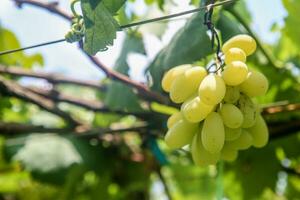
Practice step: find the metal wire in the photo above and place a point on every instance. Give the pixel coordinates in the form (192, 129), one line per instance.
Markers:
(210, 6)
(214, 36)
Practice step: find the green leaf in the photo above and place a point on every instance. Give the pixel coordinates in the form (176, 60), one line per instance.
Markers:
(101, 27)
(113, 5)
(120, 96)
(9, 41)
(291, 29)
(228, 26)
(191, 43)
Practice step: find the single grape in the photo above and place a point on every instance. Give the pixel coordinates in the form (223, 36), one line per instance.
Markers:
(231, 115)
(171, 75)
(242, 41)
(180, 134)
(235, 54)
(235, 73)
(243, 142)
(228, 153)
(259, 132)
(249, 110)
(213, 134)
(256, 84)
(212, 89)
(200, 156)
(187, 84)
(232, 134)
(195, 110)
(232, 94)
(173, 119)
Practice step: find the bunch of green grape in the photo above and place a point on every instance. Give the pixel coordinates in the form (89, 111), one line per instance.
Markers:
(217, 117)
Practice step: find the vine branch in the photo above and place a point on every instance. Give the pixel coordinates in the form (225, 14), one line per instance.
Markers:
(51, 78)
(95, 106)
(11, 88)
(11, 129)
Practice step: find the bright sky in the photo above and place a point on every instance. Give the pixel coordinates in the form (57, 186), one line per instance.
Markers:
(32, 26)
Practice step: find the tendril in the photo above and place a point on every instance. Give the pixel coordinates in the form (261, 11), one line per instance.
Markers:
(77, 27)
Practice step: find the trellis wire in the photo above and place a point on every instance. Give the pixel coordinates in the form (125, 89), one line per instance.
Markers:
(129, 25)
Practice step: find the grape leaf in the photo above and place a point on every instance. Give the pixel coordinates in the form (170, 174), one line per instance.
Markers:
(9, 41)
(120, 96)
(226, 26)
(290, 30)
(113, 5)
(101, 27)
(191, 43)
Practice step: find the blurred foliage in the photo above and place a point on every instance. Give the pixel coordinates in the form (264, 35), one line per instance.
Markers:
(125, 166)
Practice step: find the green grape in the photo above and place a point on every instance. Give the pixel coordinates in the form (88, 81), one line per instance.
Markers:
(235, 54)
(171, 75)
(256, 84)
(235, 73)
(180, 134)
(232, 134)
(200, 156)
(231, 115)
(173, 119)
(249, 111)
(228, 153)
(243, 142)
(187, 84)
(213, 134)
(259, 132)
(242, 41)
(195, 110)
(212, 89)
(232, 94)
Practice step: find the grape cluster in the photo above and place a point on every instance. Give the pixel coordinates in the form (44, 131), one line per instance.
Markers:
(217, 117)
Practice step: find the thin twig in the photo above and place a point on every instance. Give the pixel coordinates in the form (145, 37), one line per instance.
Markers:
(12, 129)
(11, 88)
(164, 182)
(98, 132)
(283, 128)
(51, 78)
(95, 106)
(281, 108)
(51, 7)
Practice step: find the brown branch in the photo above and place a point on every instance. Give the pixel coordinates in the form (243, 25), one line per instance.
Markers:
(98, 132)
(95, 106)
(281, 108)
(11, 88)
(52, 78)
(142, 89)
(51, 7)
(283, 129)
(12, 129)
